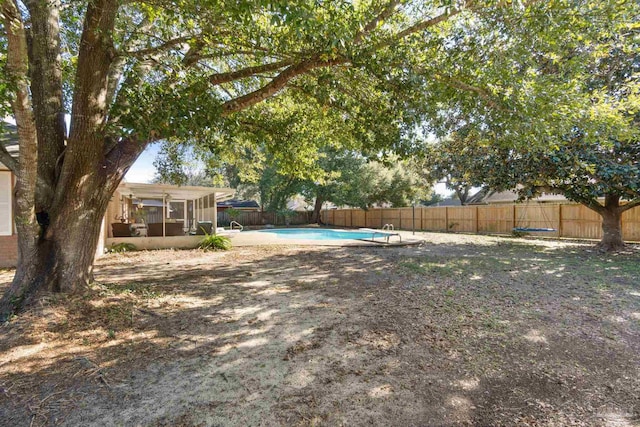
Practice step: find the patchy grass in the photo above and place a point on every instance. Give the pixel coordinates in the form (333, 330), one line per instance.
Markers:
(464, 330)
(142, 290)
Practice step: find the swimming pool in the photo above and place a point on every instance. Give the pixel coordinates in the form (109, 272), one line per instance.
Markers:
(326, 234)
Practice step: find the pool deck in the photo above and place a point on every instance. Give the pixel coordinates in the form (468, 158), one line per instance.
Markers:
(250, 238)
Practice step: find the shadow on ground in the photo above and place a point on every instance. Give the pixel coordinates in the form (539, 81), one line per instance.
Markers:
(460, 331)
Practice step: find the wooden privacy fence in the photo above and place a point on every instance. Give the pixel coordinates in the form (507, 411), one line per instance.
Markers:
(263, 218)
(569, 220)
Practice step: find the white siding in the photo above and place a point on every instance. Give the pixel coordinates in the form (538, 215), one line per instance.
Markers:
(5, 204)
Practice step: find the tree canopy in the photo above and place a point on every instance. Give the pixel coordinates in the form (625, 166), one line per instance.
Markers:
(131, 73)
(557, 112)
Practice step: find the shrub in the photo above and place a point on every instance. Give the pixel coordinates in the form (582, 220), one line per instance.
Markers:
(234, 213)
(117, 248)
(213, 242)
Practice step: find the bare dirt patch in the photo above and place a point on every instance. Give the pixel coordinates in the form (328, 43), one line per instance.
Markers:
(464, 330)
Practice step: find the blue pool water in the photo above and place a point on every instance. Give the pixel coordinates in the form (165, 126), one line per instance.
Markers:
(323, 234)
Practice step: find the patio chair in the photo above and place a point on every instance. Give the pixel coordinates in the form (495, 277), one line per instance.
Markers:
(203, 227)
(121, 229)
(171, 229)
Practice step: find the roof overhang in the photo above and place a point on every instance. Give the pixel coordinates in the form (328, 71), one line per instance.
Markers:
(158, 191)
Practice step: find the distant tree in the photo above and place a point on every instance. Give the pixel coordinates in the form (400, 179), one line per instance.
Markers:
(396, 184)
(351, 180)
(188, 176)
(233, 214)
(346, 180)
(433, 199)
(276, 188)
(603, 175)
(451, 161)
(177, 164)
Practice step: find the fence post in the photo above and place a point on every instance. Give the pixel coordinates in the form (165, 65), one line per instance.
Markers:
(413, 218)
(560, 220)
(476, 221)
(513, 216)
(446, 219)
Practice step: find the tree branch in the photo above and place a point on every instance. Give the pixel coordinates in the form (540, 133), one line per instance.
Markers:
(386, 12)
(17, 69)
(277, 84)
(217, 79)
(482, 93)
(420, 26)
(293, 70)
(167, 45)
(592, 204)
(630, 205)
(46, 83)
(123, 154)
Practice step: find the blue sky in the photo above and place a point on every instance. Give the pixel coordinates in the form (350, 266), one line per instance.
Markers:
(143, 170)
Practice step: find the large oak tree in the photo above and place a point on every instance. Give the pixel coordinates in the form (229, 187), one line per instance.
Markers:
(130, 73)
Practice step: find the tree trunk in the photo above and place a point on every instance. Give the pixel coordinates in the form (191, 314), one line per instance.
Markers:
(316, 218)
(61, 258)
(463, 194)
(611, 229)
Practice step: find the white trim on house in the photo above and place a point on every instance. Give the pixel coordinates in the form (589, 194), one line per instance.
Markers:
(177, 192)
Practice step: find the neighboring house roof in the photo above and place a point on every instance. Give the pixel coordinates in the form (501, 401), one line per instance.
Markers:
(478, 198)
(299, 203)
(239, 204)
(9, 138)
(485, 197)
(449, 201)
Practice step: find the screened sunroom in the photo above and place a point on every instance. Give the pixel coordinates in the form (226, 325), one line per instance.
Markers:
(154, 216)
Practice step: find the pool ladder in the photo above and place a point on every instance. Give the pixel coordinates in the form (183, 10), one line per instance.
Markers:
(232, 223)
(388, 227)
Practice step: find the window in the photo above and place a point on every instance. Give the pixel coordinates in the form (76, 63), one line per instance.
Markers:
(176, 210)
(6, 214)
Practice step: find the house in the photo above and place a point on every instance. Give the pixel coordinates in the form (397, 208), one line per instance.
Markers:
(150, 216)
(241, 205)
(449, 201)
(8, 237)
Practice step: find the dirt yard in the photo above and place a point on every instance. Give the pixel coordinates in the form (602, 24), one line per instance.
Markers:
(462, 330)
